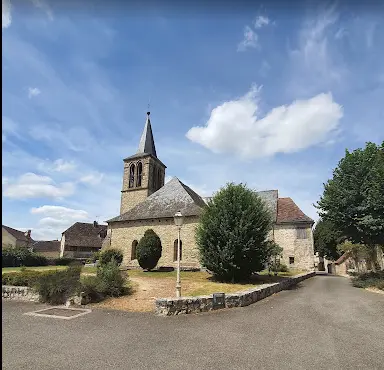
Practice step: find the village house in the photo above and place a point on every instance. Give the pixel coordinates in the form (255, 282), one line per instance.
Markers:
(82, 239)
(15, 238)
(146, 203)
(47, 248)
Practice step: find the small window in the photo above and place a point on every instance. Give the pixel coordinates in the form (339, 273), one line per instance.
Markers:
(301, 233)
(291, 260)
(139, 173)
(175, 245)
(133, 250)
(131, 176)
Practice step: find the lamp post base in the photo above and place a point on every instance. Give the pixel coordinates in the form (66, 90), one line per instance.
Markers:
(178, 291)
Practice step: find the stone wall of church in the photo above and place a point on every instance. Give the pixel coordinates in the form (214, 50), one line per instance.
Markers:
(301, 250)
(124, 233)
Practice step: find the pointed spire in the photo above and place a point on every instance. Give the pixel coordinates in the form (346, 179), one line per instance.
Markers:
(147, 143)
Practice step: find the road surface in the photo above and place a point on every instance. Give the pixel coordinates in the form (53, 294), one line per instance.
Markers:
(324, 323)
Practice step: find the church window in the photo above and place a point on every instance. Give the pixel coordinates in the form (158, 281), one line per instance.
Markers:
(132, 176)
(291, 260)
(175, 250)
(133, 250)
(139, 173)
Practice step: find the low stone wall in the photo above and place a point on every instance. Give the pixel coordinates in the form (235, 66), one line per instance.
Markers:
(185, 305)
(21, 293)
(24, 293)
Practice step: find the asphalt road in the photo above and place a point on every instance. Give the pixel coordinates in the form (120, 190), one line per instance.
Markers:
(324, 323)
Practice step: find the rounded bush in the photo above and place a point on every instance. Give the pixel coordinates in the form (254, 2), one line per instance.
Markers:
(149, 250)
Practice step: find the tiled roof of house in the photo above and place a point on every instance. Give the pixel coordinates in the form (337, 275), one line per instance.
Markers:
(342, 258)
(46, 246)
(172, 197)
(83, 234)
(289, 212)
(19, 235)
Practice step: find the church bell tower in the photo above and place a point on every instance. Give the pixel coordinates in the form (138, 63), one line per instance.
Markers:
(143, 172)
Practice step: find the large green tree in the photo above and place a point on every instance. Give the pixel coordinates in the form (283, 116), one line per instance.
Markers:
(232, 233)
(353, 200)
(326, 238)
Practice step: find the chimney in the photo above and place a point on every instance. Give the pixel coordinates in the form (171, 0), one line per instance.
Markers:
(95, 224)
(28, 233)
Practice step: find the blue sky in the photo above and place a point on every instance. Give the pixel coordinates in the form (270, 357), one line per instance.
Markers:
(265, 95)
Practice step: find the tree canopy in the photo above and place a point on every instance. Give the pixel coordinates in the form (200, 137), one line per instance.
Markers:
(326, 239)
(232, 233)
(353, 200)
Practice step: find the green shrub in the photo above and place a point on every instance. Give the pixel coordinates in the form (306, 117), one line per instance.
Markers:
(232, 233)
(108, 282)
(63, 261)
(56, 287)
(91, 289)
(149, 250)
(283, 268)
(22, 278)
(369, 279)
(21, 256)
(95, 256)
(108, 255)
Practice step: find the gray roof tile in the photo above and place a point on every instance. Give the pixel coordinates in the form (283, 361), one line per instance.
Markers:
(172, 197)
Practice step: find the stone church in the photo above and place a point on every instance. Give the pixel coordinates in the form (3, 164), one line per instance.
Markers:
(146, 202)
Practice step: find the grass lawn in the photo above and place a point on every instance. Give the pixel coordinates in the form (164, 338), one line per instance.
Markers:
(45, 268)
(201, 283)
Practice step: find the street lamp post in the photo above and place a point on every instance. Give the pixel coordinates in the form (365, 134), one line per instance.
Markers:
(178, 218)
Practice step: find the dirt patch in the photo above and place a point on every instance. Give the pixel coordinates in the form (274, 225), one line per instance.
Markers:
(145, 292)
(375, 290)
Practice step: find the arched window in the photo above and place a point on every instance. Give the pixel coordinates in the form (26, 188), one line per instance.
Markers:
(132, 176)
(139, 173)
(133, 250)
(159, 178)
(175, 250)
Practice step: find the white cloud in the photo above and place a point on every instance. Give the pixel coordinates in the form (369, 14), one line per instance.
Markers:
(250, 39)
(44, 7)
(59, 212)
(261, 21)
(56, 219)
(316, 62)
(92, 178)
(235, 126)
(59, 165)
(6, 19)
(9, 126)
(33, 91)
(31, 185)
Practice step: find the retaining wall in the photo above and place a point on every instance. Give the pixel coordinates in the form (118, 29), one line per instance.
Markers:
(24, 293)
(185, 305)
(21, 293)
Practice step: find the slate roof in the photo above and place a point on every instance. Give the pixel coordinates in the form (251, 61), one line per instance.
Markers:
(172, 197)
(83, 234)
(289, 212)
(46, 246)
(147, 143)
(19, 235)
